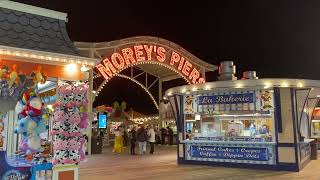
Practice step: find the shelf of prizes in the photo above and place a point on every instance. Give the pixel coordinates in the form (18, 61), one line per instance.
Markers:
(44, 115)
(259, 123)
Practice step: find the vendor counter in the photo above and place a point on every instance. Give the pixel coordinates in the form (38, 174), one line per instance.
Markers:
(244, 154)
(256, 123)
(235, 152)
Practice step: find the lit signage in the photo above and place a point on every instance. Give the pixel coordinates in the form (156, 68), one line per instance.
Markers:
(227, 99)
(234, 153)
(153, 54)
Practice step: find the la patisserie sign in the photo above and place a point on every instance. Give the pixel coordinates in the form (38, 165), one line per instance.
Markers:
(227, 99)
(152, 54)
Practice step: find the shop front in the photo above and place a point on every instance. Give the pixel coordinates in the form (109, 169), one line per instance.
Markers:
(255, 123)
(43, 94)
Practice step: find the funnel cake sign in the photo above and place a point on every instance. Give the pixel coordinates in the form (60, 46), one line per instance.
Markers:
(149, 54)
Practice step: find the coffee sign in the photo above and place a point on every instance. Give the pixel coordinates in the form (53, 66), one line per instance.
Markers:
(237, 153)
(227, 99)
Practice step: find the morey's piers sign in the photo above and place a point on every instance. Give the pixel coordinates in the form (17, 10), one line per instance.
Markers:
(148, 53)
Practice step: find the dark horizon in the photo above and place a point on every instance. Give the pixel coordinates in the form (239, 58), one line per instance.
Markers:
(277, 39)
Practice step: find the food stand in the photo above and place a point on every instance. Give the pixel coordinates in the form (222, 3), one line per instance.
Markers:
(249, 123)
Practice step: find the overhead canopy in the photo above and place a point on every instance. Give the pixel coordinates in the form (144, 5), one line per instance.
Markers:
(36, 34)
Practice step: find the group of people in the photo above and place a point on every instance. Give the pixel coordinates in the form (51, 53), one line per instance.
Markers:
(141, 136)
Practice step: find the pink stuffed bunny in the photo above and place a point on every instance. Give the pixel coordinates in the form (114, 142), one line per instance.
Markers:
(84, 120)
(74, 118)
(60, 145)
(73, 145)
(59, 116)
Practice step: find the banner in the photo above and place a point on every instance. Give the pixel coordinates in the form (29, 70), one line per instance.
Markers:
(237, 153)
(227, 99)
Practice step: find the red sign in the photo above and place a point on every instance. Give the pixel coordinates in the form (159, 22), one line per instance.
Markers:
(153, 54)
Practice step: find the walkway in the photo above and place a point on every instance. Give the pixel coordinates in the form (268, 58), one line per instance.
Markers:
(163, 166)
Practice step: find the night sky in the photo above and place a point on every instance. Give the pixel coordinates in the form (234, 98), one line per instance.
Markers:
(275, 38)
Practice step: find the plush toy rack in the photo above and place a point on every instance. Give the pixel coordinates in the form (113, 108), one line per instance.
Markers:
(69, 121)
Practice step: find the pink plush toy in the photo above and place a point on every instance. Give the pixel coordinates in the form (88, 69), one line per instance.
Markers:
(59, 116)
(73, 145)
(74, 118)
(84, 120)
(81, 150)
(60, 145)
(80, 95)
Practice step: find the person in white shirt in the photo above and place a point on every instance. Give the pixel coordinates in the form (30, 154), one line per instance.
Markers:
(151, 138)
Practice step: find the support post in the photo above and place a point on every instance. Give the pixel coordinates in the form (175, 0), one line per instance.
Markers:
(90, 104)
(203, 73)
(160, 98)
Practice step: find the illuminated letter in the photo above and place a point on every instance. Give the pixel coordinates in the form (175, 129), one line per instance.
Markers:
(128, 56)
(161, 54)
(138, 52)
(201, 80)
(109, 65)
(148, 50)
(175, 57)
(181, 63)
(194, 75)
(186, 68)
(115, 58)
(104, 71)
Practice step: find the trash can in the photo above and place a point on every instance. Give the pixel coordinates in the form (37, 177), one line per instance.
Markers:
(314, 150)
(96, 145)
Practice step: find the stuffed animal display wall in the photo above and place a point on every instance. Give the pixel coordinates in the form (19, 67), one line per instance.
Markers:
(30, 122)
(70, 119)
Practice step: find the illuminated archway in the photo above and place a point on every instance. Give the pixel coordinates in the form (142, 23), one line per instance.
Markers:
(133, 80)
(137, 52)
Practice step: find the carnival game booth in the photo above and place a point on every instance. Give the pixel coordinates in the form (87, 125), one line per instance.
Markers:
(249, 123)
(36, 57)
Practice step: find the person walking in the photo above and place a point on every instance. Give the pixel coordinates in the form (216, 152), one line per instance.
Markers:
(163, 136)
(170, 135)
(118, 142)
(142, 138)
(151, 138)
(133, 140)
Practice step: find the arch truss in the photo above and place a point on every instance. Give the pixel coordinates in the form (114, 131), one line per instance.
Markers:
(156, 60)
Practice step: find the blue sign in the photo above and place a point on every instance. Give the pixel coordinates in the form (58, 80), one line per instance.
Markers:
(237, 153)
(102, 121)
(227, 99)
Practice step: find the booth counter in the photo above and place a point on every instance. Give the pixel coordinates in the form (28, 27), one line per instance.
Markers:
(256, 123)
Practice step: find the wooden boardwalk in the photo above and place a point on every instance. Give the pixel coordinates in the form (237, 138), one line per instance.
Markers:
(162, 165)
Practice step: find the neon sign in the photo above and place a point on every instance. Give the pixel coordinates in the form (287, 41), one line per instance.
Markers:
(152, 54)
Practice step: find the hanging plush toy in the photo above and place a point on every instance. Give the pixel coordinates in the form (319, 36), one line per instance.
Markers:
(3, 72)
(38, 76)
(30, 123)
(34, 108)
(13, 76)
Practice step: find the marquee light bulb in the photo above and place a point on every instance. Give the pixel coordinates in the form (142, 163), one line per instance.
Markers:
(71, 67)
